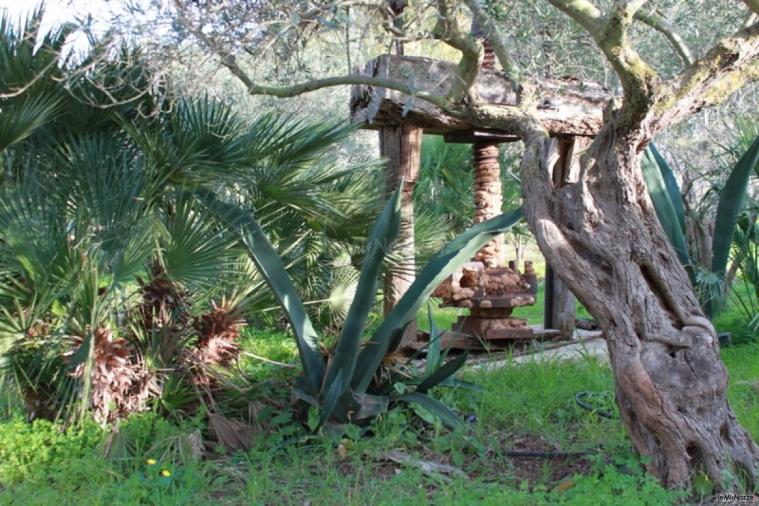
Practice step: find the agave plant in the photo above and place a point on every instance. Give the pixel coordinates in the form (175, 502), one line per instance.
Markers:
(350, 386)
(665, 194)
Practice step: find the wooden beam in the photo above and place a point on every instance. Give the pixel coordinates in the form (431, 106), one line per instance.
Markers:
(473, 136)
(565, 106)
(401, 145)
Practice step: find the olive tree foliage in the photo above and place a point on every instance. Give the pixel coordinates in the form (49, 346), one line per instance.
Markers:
(272, 41)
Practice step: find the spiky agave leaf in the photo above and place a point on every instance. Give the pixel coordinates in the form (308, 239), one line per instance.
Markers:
(270, 265)
(440, 267)
(731, 201)
(667, 201)
(342, 366)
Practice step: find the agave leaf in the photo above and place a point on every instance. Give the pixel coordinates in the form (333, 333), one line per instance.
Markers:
(731, 201)
(446, 414)
(273, 271)
(445, 263)
(335, 390)
(383, 233)
(371, 406)
(673, 189)
(655, 175)
(442, 373)
(457, 383)
(433, 349)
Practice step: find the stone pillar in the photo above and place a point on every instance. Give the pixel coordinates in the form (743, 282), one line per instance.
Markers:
(488, 199)
(401, 145)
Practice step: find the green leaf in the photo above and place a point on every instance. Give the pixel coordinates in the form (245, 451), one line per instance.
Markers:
(330, 398)
(370, 406)
(442, 265)
(673, 189)
(446, 414)
(442, 373)
(659, 191)
(313, 418)
(731, 201)
(273, 271)
(433, 349)
(383, 233)
(19, 120)
(195, 252)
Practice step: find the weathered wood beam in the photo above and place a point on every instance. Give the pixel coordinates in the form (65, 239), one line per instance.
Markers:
(401, 145)
(565, 106)
(473, 136)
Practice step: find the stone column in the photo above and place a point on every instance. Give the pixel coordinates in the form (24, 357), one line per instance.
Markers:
(488, 199)
(488, 194)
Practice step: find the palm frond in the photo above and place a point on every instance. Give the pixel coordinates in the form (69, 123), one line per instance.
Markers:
(195, 252)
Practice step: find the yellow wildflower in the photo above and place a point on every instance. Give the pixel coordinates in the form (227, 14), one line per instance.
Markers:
(165, 473)
(152, 462)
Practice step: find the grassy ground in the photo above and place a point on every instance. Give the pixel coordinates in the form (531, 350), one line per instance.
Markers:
(520, 407)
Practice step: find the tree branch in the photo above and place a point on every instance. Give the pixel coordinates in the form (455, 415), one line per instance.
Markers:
(583, 12)
(327, 82)
(658, 23)
(753, 5)
(638, 79)
(230, 62)
(447, 29)
(499, 46)
(728, 66)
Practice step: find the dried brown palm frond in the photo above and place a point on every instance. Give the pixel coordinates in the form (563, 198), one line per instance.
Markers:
(163, 302)
(121, 382)
(218, 333)
(232, 434)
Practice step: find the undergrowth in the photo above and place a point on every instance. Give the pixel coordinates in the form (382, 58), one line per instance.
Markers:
(531, 406)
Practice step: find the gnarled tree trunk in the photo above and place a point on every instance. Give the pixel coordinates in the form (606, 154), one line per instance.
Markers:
(602, 237)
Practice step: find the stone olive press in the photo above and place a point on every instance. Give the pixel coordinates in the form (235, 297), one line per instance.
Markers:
(490, 294)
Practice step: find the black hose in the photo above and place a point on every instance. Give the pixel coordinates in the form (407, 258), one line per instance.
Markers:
(580, 399)
(548, 455)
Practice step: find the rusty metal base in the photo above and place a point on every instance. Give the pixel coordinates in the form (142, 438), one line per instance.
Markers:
(493, 328)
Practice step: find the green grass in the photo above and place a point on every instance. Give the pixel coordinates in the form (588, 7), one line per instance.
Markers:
(261, 348)
(528, 406)
(519, 405)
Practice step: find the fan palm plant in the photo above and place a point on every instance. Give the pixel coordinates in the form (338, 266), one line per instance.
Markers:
(110, 273)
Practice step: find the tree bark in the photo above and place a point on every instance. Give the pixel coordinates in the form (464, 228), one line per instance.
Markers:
(561, 307)
(602, 237)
